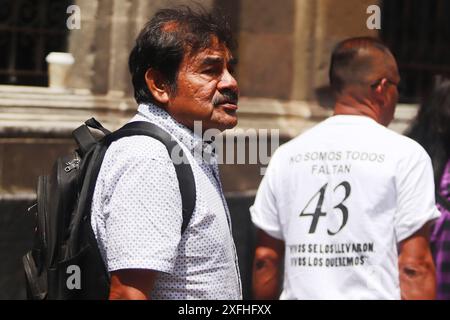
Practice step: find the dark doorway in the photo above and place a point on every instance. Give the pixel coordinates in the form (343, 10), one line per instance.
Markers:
(29, 30)
(418, 33)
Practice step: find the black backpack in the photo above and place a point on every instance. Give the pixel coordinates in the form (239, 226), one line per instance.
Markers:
(65, 262)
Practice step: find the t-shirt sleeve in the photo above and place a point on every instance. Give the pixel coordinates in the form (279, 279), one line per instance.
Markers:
(264, 212)
(143, 209)
(415, 195)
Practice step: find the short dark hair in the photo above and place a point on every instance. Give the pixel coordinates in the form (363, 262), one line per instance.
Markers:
(167, 37)
(346, 66)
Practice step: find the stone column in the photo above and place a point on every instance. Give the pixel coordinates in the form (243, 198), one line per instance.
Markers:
(122, 39)
(304, 49)
(102, 47)
(265, 48)
(90, 46)
(80, 44)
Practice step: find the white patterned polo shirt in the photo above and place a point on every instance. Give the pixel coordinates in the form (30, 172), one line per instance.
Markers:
(137, 216)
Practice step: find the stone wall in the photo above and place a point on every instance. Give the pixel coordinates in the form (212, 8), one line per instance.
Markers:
(283, 50)
(102, 45)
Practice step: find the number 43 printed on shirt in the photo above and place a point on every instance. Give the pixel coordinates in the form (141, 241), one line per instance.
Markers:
(318, 212)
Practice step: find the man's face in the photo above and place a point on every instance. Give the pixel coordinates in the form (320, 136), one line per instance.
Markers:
(206, 89)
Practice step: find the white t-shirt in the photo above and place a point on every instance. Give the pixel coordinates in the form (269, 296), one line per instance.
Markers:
(342, 196)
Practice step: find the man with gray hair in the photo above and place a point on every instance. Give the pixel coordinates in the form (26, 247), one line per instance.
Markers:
(182, 72)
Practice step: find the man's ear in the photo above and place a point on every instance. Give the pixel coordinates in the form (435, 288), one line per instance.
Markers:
(157, 86)
(382, 86)
(380, 91)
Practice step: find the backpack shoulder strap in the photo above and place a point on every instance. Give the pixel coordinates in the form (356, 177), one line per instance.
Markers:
(84, 137)
(183, 170)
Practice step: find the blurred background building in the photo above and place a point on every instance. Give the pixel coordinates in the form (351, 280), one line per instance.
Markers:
(283, 50)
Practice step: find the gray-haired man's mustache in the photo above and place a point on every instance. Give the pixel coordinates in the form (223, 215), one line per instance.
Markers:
(227, 96)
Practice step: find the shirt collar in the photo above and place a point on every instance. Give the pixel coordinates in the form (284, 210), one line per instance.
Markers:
(348, 118)
(191, 140)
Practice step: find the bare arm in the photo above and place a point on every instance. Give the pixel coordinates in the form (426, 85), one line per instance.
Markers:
(416, 267)
(132, 284)
(269, 255)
